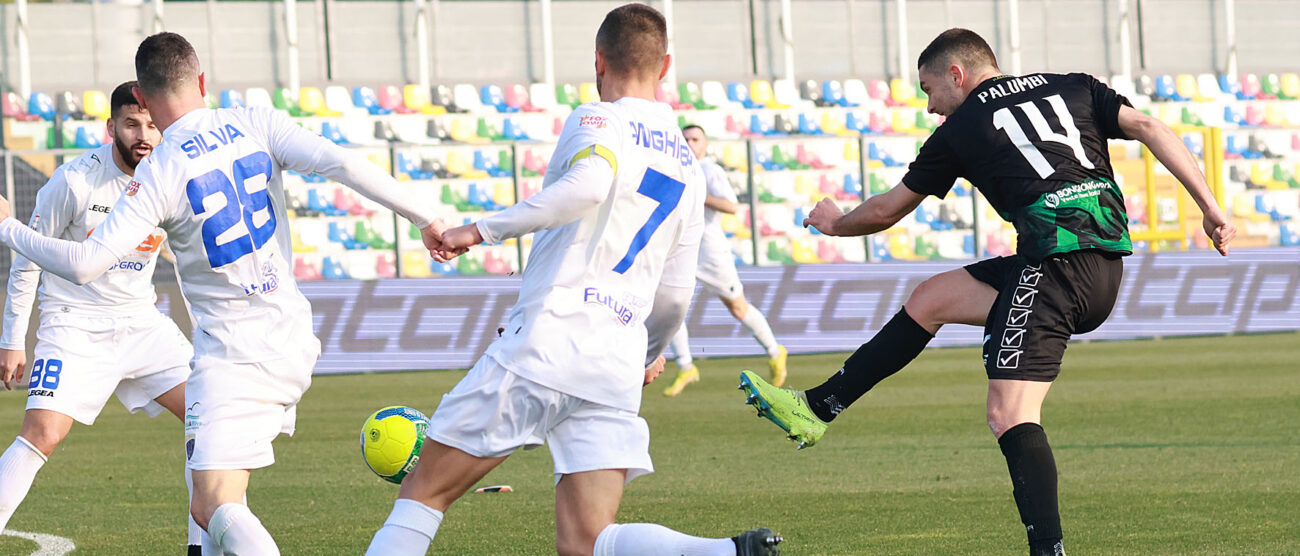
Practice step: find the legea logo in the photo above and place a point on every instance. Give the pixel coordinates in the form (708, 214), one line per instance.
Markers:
(1052, 200)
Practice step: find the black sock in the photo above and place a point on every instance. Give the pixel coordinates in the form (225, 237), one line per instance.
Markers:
(194, 550)
(1033, 480)
(891, 349)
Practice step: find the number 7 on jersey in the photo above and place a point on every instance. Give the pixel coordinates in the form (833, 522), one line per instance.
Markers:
(665, 190)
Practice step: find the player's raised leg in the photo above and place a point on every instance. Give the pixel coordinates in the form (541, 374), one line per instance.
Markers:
(687, 372)
(754, 321)
(955, 296)
(442, 476)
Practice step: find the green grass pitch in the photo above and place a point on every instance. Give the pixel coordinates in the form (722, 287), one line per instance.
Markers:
(1177, 446)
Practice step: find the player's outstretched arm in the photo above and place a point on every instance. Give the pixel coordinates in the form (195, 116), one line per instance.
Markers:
(1170, 151)
(582, 188)
(79, 263)
(877, 214)
(721, 204)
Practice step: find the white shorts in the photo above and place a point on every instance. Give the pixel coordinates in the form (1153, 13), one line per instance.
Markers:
(80, 361)
(234, 410)
(720, 278)
(492, 412)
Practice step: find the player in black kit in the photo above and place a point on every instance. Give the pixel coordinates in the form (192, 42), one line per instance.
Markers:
(1035, 146)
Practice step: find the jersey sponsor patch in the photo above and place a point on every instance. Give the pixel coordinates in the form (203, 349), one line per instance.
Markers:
(132, 188)
(597, 122)
(36, 219)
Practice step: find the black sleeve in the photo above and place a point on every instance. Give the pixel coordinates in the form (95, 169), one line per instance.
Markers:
(935, 169)
(1105, 105)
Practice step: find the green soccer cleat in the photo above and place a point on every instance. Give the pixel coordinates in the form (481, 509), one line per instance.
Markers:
(757, 542)
(788, 408)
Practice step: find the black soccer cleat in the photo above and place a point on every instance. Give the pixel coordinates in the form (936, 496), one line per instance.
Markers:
(757, 542)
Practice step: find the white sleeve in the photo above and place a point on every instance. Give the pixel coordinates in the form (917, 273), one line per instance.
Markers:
(55, 208)
(303, 151)
(583, 188)
(718, 184)
(135, 215)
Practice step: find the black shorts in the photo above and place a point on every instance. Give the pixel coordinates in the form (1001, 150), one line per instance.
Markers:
(1040, 306)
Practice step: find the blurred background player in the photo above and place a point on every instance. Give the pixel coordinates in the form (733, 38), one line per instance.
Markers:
(1035, 146)
(609, 279)
(717, 272)
(94, 339)
(213, 183)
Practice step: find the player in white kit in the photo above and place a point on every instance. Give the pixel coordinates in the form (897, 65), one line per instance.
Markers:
(213, 183)
(618, 224)
(717, 273)
(94, 340)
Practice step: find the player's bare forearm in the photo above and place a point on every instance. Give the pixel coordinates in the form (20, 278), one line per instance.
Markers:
(721, 205)
(877, 214)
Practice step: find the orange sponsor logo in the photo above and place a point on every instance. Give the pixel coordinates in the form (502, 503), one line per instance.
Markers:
(150, 244)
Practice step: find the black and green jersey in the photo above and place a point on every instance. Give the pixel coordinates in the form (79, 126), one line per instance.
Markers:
(1035, 146)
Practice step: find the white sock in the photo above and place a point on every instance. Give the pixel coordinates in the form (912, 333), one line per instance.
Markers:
(681, 344)
(757, 325)
(237, 531)
(410, 528)
(210, 547)
(651, 539)
(195, 534)
(18, 467)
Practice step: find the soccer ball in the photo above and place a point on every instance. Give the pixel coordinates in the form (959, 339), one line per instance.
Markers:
(390, 441)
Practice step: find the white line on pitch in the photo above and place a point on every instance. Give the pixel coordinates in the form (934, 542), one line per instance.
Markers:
(49, 545)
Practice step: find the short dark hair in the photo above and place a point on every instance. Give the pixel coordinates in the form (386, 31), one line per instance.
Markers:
(962, 46)
(122, 97)
(689, 127)
(165, 62)
(633, 38)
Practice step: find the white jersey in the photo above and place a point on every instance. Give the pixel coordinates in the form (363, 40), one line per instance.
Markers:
(78, 197)
(579, 325)
(715, 250)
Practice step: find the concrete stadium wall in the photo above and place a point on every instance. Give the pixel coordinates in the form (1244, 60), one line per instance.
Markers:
(499, 41)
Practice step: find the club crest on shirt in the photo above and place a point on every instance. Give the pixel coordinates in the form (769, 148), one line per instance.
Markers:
(36, 219)
(132, 188)
(597, 122)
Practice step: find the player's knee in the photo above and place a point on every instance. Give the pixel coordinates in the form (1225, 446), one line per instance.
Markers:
(925, 303)
(1001, 420)
(43, 438)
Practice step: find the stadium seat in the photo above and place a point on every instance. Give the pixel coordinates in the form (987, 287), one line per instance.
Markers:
(67, 103)
(904, 122)
(833, 94)
(1290, 89)
(715, 95)
(878, 122)
(832, 125)
(232, 98)
(517, 98)
(513, 131)
(854, 121)
(42, 105)
(284, 99)
(904, 93)
(416, 98)
(493, 97)
(566, 93)
(783, 126)
(1188, 88)
(339, 100)
(542, 96)
(587, 92)
(761, 93)
(85, 139)
(811, 91)
(390, 98)
(331, 131)
(440, 96)
(855, 92)
(258, 97)
(1167, 90)
(1232, 115)
(809, 126)
(1251, 87)
(1232, 86)
(13, 108)
(365, 98)
(785, 94)
(1271, 87)
(667, 95)
(689, 93)
(879, 90)
(737, 92)
(96, 104)
(311, 101)
(1208, 85)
